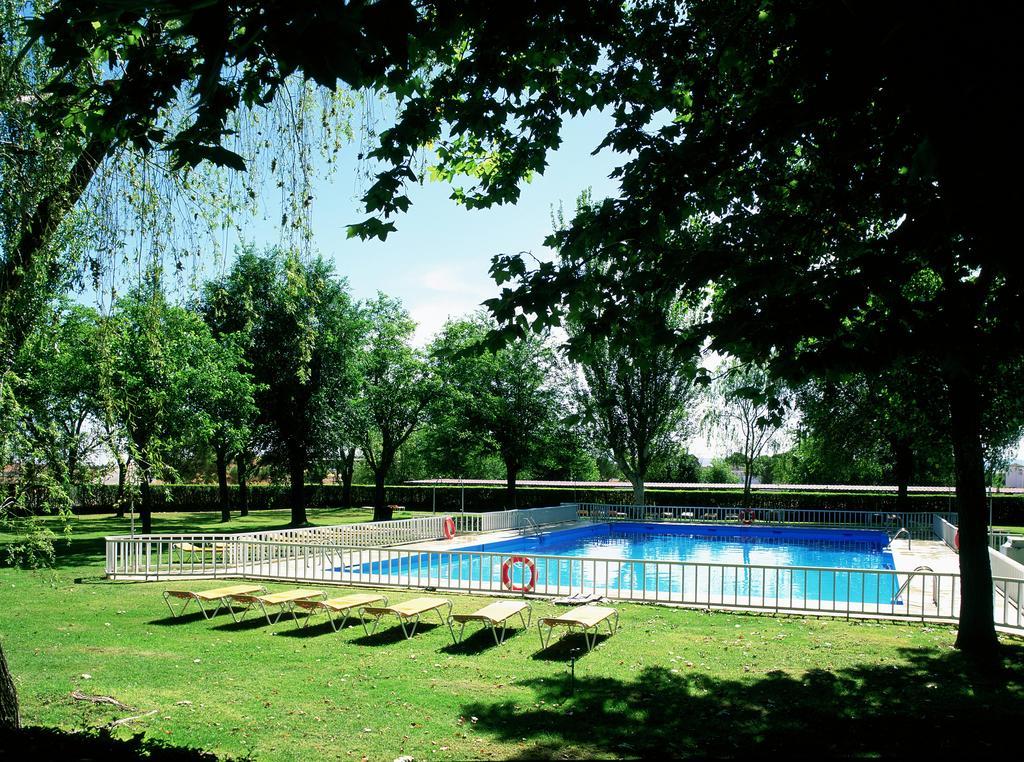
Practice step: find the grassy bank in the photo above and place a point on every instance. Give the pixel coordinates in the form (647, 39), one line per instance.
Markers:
(671, 682)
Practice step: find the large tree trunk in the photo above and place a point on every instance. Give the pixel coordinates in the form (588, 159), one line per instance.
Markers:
(347, 472)
(638, 491)
(976, 635)
(903, 470)
(511, 474)
(9, 717)
(381, 510)
(242, 465)
(222, 485)
(297, 497)
(748, 477)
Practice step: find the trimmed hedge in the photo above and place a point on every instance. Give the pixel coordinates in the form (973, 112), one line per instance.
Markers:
(1006, 509)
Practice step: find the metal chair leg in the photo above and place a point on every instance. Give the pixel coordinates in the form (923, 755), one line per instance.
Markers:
(181, 612)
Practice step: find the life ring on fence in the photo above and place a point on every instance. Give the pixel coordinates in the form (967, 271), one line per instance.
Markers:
(506, 573)
(747, 517)
(449, 527)
(956, 540)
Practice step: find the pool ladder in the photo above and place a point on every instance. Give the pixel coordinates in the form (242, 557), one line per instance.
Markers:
(910, 577)
(896, 536)
(532, 527)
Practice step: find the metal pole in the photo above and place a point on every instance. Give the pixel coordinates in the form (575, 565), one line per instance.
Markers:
(462, 496)
(433, 495)
(989, 507)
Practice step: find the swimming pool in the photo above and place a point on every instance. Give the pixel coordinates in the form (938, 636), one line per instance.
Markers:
(747, 564)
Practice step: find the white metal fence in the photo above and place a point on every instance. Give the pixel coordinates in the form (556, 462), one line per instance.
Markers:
(495, 521)
(919, 524)
(367, 534)
(944, 530)
(351, 555)
(924, 596)
(210, 554)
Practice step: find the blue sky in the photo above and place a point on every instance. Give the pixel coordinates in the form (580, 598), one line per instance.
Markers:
(437, 263)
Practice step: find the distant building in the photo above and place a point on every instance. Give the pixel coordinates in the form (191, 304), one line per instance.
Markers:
(1015, 474)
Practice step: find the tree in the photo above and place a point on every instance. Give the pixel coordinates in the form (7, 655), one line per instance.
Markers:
(394, 390)
(880, 427)
(59, 387)
(495, 401)
(635, 391)
(680, 466)
(157, 368)
(849, 221)
(300, 331)
(231, 409)
(748, 411)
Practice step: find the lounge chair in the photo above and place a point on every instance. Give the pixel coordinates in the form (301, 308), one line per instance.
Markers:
(493, 615)
(332, 606)
(284, 600)
(211, 548)
(587, 618)
(220, 595)
(407, 610)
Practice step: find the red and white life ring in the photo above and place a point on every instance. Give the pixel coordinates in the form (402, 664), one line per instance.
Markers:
(506, 574)
(956, 540)
(449, 527)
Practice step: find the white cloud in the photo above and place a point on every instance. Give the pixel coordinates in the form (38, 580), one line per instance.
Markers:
(455, 279)
(430, 316)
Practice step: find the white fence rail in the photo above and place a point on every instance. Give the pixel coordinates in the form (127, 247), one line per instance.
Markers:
(944, 530)
(919, 524)
(522, 518)
(367, 534)
(211, 554)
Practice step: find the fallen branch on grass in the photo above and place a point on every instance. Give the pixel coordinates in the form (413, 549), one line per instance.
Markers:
(125, 720)
(76, 694)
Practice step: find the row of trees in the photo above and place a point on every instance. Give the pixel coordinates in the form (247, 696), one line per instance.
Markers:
(274, 364)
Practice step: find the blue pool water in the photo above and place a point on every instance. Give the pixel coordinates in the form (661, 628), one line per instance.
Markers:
(747, 564)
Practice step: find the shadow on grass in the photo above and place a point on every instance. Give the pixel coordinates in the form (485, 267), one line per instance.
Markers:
(189, 618)
(481, 640)
(567, 647)
(392, 635)
(321, 627)
(932, 706)
(52, 743)
(249, 623)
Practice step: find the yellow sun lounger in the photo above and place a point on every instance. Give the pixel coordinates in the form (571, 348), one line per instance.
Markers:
(407, 610)
(587, 618)
(493, 616)
(284, 600)
(344, 606)
(188, 547)
(220, 595)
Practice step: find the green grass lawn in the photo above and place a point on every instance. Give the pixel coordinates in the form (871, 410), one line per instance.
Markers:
(671, 682)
